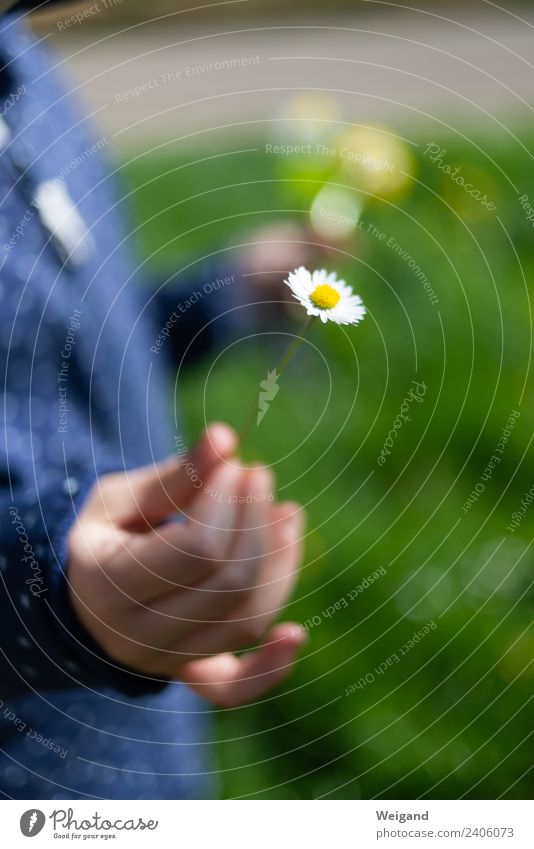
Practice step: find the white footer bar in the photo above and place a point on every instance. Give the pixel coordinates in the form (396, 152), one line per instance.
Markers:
(270, 824)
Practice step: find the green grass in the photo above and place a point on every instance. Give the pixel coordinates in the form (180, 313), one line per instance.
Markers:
(453, 716)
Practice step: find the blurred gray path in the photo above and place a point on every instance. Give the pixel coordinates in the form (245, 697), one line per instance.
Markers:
(152, 84)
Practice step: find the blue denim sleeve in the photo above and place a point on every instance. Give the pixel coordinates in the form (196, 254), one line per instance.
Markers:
(43, 646)
(197, 310)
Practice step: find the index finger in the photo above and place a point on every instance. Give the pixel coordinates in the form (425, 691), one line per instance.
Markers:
(155, 492)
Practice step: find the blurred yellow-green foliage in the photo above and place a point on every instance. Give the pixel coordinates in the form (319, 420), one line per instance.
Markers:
(118, 12)
(453, 717)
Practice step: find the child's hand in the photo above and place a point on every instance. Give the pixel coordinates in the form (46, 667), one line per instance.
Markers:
(174, 600)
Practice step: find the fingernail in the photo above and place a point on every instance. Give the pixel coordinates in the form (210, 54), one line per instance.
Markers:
(222, 435)
(292, 526)
(302, 635)
(263, 478)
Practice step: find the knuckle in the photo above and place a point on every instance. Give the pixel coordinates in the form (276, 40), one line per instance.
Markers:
(209, 548)
(234, 579)
(249, 630)
(252, 548)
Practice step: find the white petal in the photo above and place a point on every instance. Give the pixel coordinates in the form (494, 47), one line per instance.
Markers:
(319, 277)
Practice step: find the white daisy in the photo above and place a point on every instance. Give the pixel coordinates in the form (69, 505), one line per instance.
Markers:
(325, 296)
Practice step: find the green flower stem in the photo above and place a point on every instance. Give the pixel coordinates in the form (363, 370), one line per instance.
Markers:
(279, 369)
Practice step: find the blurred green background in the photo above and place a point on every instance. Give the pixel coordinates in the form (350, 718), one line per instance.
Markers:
(453, 717)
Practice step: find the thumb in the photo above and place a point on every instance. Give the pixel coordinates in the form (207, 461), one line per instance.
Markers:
(230, 681)
(152, 493)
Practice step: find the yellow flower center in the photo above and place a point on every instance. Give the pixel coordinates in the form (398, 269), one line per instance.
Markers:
(325, 297)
